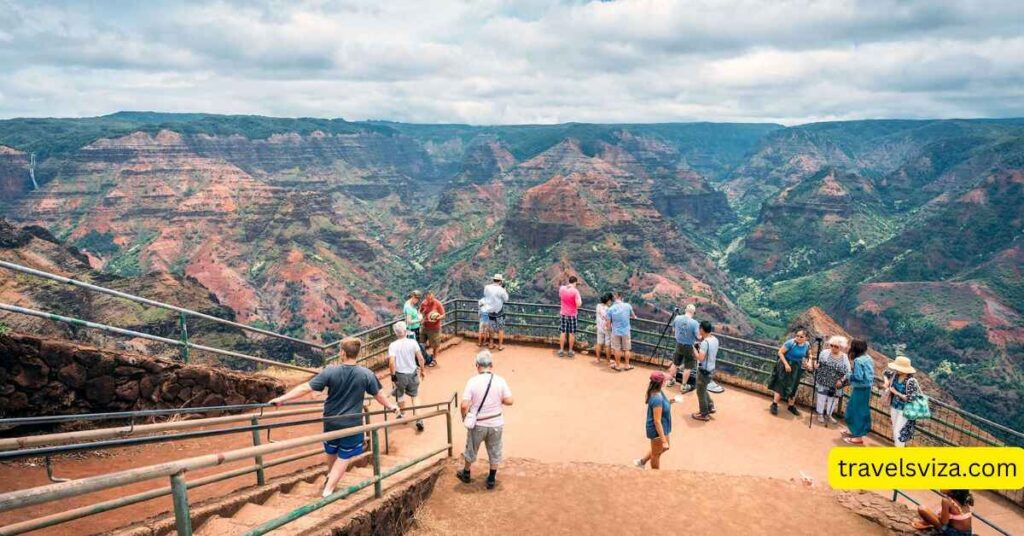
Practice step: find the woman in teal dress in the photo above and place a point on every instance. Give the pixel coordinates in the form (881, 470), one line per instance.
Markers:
(858, 410)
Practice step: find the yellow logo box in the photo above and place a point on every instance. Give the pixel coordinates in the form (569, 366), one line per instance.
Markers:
(926, 468)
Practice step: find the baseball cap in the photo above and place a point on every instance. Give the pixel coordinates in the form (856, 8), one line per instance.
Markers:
(658, 376)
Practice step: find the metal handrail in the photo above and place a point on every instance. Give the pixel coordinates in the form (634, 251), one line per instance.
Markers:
(153, 303)
(130, 333)
(120, 415)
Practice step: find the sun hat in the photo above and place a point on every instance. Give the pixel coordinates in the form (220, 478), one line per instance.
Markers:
(499, 277)
(658, 376)
(902, 364)
(415, 293)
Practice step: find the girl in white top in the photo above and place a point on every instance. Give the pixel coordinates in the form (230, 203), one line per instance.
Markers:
(602, 325)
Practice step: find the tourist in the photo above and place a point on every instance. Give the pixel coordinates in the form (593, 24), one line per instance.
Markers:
(858, 409)
(831, 372)
(903, 387)
(411, 314)
(603, 328)
(482, 400)
(686, 332)
(620, 314)
(432, 311)
(405, 363)
(569, 296)
(954, 515)
(786, 377)
(707, 355)
(494, 300)
(346, 385)
(484, 330)
(659, 421)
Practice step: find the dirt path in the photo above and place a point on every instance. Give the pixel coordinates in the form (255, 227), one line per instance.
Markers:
(580, 498)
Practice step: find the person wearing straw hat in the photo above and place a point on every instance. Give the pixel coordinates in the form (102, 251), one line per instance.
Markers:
(903, 387)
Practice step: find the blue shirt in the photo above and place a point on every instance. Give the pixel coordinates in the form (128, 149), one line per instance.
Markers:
(685, 329)
(620, 314)
(710, 348)
(658, 399)
(863, 375)
(795, 353)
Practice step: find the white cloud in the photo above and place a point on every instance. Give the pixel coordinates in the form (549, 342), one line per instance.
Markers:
(515, 62)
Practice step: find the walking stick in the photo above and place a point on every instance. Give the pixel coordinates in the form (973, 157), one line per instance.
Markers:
(815, 361)
(675, 312)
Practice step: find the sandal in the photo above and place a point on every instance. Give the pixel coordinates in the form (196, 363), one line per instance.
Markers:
(630, 367)
(846, 433)
(500, 348)
(616, 369)
(701, 417)
(852, 441)
(920, 524)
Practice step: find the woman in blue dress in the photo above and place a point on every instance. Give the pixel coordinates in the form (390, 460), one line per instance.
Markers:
(786, 377)
(858, 410)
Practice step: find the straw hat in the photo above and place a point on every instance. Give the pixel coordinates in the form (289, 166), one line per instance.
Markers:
(499, 277)
(902, 364)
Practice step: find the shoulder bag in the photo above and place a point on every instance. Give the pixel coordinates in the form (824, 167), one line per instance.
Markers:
(470, 421)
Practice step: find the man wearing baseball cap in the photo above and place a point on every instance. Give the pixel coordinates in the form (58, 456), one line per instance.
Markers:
(433, 315)
(494, 300)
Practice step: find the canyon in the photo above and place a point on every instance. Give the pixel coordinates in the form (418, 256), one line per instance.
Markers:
(905, 232)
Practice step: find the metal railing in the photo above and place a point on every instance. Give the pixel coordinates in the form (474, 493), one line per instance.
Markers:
(63, 488)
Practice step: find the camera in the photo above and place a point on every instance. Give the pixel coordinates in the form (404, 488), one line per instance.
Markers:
(831, 392)
(818, 340)
(696, 346)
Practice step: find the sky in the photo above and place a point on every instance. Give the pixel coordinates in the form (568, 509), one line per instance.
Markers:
(514, 62)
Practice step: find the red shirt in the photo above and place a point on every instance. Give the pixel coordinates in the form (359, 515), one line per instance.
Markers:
(427, 307)
(568, 295)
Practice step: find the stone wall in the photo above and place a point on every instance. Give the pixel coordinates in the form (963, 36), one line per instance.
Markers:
(40, 376)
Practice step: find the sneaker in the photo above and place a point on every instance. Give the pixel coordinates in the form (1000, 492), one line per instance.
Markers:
(419, 426)
(833, 420)
(821, 418)
(463, 476)
(715, 388)
(639, 464)
(670, 383)
(686, 388)
(713, 409)
(561, 353)
(571, 354)
(793, 410)
(491, 483)
(432, 364)
(774, 409)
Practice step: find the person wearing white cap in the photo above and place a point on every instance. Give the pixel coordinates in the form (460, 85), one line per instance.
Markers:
(494, 300)
(903, 387)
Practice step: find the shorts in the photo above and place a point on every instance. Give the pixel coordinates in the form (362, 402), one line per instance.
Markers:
(496, 321)
(621, 342)
(568, 324)
(483, 321)
(407, 384)
(603, 338)
(490, 436)
(684, 356)
(433, 336)
(345, 447)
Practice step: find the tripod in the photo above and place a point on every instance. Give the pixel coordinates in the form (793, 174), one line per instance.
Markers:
(675, 312)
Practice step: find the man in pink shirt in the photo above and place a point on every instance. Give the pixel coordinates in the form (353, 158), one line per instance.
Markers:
(570, 298)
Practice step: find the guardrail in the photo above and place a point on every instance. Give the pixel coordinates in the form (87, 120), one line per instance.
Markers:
(64, 488)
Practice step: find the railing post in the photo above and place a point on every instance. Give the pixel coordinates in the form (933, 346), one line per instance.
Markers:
(375, 445)
(451, 446)
(261, 476)
(387, 441)
(184, 337)
(179, 495)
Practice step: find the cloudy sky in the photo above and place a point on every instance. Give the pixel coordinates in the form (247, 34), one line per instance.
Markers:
(530, 61)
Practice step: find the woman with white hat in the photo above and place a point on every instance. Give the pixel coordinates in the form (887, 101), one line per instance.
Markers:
(903, 387)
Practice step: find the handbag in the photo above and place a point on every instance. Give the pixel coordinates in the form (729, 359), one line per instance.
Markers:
(917, 408)
(470, 420)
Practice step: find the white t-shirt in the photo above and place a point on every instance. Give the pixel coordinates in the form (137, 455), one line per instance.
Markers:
(474, 392)
(404, 353)
(494, 299)
(602, 318)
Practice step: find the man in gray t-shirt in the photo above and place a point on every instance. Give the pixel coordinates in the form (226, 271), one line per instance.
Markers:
(346, 386)
(707, 354)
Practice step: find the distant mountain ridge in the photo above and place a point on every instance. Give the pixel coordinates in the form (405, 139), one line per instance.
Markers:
(905, 231)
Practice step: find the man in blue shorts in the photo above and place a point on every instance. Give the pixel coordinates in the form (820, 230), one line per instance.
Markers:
(346, 385)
